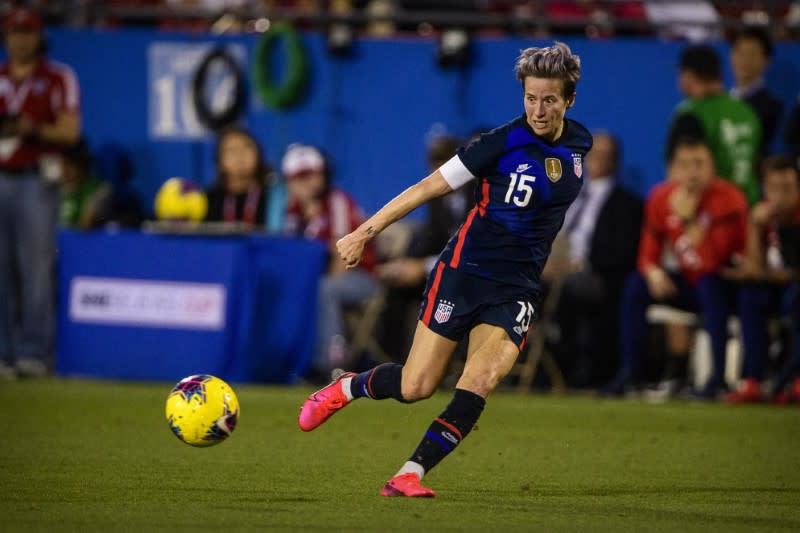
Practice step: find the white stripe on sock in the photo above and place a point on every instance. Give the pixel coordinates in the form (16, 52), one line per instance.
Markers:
(346, 388)
(411, 466)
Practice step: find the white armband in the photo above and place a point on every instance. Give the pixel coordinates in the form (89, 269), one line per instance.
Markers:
(455, 173)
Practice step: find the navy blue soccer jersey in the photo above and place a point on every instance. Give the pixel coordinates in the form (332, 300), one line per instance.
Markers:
(525, 186)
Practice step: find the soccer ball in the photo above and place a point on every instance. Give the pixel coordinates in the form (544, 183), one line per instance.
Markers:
(202, 410)
(181, 199)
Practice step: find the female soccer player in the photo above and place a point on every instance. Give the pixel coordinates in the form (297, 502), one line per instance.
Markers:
(486, 282)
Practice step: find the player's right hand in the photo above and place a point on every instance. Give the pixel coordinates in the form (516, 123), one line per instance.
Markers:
(351, 248)
(659, 284)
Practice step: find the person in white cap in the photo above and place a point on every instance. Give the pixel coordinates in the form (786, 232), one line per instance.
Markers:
(319, 211)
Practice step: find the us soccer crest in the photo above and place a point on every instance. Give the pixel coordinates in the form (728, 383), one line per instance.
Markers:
(552, 166)
(577, 165)
(443, 312)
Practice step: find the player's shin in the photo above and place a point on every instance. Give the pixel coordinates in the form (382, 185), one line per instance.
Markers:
(446, 432)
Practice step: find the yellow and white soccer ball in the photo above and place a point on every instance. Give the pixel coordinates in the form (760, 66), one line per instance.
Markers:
(181, 199)
(202, 410)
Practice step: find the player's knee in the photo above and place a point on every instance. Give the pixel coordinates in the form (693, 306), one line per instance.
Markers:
(415, 387)
(482, 379)
(481, 383)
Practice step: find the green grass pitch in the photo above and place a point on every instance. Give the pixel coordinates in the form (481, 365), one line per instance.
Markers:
(92, 456)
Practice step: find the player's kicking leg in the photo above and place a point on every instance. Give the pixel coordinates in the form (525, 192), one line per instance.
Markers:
(416, 380)
(490, 357)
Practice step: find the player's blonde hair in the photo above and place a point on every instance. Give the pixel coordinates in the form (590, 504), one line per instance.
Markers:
(555, 61)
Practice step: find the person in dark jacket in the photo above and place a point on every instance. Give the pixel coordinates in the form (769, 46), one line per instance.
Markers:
(601, 235)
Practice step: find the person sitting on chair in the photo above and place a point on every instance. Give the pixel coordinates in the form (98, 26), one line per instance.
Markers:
(702, 220)
(601, 232)
(318, 211)
(769, 270)
(242, 193)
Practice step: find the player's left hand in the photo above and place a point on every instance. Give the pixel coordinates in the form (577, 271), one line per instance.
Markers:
(351, 248)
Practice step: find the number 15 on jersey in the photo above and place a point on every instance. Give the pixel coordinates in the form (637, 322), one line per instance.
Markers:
(520, 189)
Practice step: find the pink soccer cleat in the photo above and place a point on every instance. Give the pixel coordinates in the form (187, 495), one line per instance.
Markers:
(407, 485)
(322, 404)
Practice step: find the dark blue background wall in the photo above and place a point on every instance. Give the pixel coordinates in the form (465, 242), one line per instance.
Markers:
(372, 112)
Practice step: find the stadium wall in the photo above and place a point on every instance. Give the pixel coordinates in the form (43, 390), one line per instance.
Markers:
(372, 112)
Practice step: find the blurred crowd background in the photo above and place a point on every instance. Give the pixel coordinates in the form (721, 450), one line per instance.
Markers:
(676, 270)
(387, 18)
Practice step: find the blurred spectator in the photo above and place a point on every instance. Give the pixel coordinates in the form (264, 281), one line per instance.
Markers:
(751, 52)
(770, 269)
(39, 116)
(601, 230)
(78, 187)
(115, 204)
(598, 17)
(318, 211)
(406, 276)
(702, 220)
(240, 193)
(214, 5)
(377, 9)
(691, 19)
(730, 127)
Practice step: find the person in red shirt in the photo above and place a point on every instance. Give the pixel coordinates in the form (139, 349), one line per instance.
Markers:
(39, 118)
(702, 221)
(321, 212)
(769, 272)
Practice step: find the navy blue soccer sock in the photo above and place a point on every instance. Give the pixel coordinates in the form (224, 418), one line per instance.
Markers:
(380, 383)
(449, 429)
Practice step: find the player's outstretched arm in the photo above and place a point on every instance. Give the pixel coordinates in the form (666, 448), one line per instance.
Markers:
(351, 247)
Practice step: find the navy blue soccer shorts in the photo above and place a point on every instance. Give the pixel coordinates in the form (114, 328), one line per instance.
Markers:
(454, 302)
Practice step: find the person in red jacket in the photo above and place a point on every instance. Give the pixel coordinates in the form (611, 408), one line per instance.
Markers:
(702, 221)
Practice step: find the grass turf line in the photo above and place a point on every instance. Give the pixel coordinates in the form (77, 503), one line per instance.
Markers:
(83, 455)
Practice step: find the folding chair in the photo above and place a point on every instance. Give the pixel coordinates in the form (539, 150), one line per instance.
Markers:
(700, 360)
(536, 352)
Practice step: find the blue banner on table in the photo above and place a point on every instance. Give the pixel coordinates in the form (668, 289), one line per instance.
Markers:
(156, 307)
